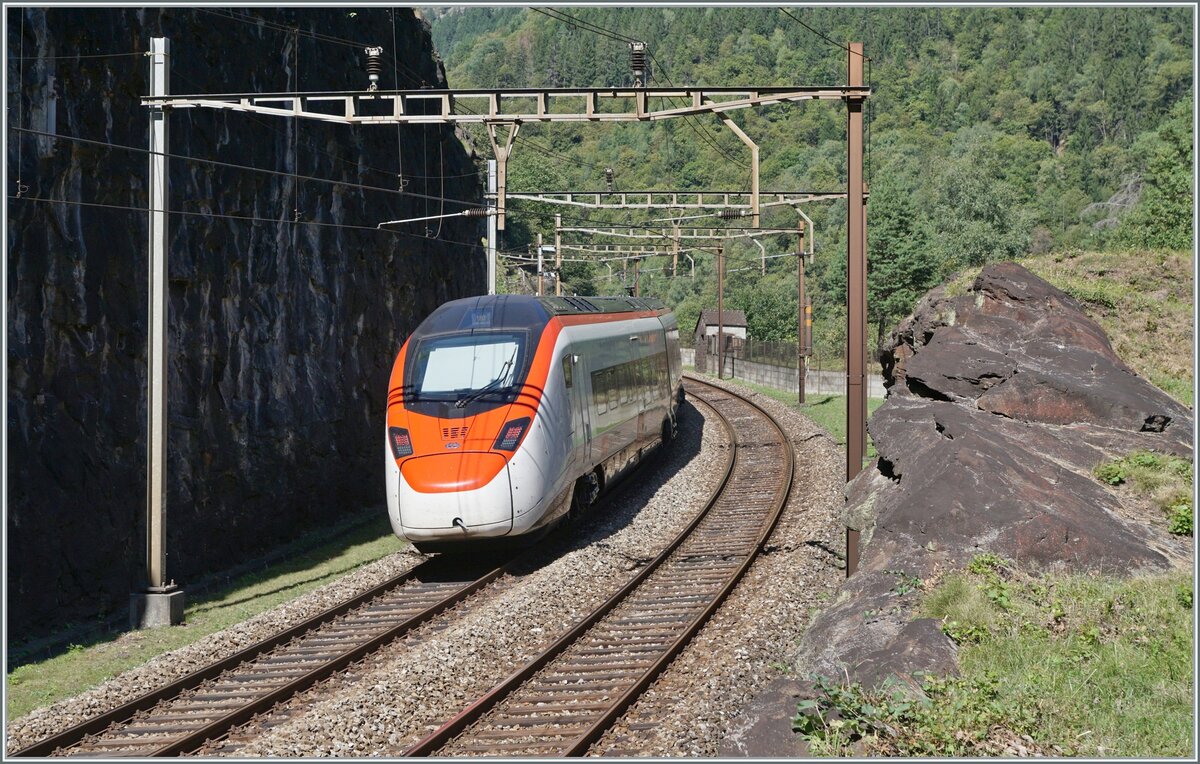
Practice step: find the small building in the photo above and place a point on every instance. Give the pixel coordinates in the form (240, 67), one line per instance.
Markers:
(734, 324)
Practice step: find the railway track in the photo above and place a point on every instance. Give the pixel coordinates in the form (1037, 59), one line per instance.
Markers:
(557, 705)
(566, 698)
(207, 703)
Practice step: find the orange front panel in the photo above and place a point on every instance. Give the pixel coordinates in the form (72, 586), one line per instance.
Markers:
(444, 473)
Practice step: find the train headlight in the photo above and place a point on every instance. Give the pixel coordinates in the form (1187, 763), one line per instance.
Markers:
(511, 434)
(401, 442)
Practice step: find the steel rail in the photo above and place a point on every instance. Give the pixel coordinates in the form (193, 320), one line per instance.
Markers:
(633, 693)
(127, 711)
(464, 719)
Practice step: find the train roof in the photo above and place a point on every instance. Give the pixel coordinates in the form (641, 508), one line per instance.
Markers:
(512, 311)
(558, 306)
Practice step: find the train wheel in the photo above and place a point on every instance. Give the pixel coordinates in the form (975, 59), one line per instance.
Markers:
(587, 488)
(669, 430)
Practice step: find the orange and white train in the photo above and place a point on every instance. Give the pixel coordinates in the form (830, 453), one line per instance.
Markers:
(506, 412)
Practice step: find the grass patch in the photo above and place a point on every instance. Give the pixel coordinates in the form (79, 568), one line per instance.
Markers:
(1081, 665)
(827, 411)
(37, 684)
(1165, 480)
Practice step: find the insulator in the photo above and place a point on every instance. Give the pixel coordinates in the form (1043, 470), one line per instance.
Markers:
(374, 67)
(637, 62)
(728, 214)
(608, 177)
(476, 213)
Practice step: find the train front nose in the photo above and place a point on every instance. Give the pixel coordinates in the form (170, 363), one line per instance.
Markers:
(454, 495)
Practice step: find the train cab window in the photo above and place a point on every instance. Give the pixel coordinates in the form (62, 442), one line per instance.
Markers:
(567, 367)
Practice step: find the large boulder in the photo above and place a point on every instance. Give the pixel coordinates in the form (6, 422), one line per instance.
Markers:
(1001, 402)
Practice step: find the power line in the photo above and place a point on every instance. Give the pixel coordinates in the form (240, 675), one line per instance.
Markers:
(310, 145)
(824, 37)
(246, 18)
(244, 218)
(90, 55)
(566, 18)
(234, 166)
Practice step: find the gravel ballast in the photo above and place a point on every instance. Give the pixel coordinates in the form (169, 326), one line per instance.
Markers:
(395, 697)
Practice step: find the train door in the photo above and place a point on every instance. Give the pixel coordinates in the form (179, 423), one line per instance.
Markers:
(578, 458)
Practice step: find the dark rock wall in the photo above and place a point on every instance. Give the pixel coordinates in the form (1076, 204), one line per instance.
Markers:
(282, 334)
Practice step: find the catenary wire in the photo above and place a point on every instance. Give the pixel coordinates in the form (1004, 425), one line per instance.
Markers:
(234, 166)
(225, 216)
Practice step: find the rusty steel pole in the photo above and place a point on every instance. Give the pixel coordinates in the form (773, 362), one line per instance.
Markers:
(541, 283)
(720, 311)
(675, 253)
(558, 254)
(803, 316)
(856, 292)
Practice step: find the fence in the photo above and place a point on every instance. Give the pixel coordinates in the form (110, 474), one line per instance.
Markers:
(818, 379)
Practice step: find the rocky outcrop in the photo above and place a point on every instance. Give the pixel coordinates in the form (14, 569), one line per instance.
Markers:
(285, 316)
(1001, 403)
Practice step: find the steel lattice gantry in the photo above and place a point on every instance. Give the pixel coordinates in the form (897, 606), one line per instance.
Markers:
(507, 105)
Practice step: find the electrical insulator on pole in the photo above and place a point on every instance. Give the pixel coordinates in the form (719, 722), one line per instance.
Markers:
(608, 177)
(637, 61)
(374, 68)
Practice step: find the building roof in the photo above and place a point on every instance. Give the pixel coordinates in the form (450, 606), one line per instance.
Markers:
(732, 318)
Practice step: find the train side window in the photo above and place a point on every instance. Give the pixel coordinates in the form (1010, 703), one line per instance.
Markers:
(567, 368)
(599, 396)
(610, 384)
(623, 382)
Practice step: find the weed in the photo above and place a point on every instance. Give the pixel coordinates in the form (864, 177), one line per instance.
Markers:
(956, 717)
(1166, 479)
(1112, 473)
(1183, 595)
(1179, 516)
(905, 583)
(964, 633)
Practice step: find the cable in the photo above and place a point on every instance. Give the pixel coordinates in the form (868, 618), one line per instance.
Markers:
(231, 165)
(91, 55)
(569, 19)
(275, 26)
(21, 105)
(308, 144)
(245, 218)
(784, 11)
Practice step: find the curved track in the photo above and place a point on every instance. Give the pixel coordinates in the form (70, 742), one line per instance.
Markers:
(563, 701)
(207, 703)
(558, 704)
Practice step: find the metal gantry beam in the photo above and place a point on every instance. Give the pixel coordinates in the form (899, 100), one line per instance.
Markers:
(675, 200)
(514, 105)
(682, 233)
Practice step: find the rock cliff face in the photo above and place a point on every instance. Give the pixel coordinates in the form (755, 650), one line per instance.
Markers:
(284, 316)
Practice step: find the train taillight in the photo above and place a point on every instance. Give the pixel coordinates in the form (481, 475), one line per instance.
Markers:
(510, 434)
(401, 442)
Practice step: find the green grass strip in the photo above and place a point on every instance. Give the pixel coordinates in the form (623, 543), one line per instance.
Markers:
(83, 666)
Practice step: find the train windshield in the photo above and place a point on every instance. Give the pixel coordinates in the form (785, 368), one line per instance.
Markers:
(466, 367)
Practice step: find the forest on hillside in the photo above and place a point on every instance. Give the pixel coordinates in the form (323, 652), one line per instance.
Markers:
(993, 133)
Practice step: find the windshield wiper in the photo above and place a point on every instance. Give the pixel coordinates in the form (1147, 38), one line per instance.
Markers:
(490, 386)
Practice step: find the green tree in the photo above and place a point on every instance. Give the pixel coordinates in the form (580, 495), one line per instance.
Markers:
(902, 266)
(1163, 216)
